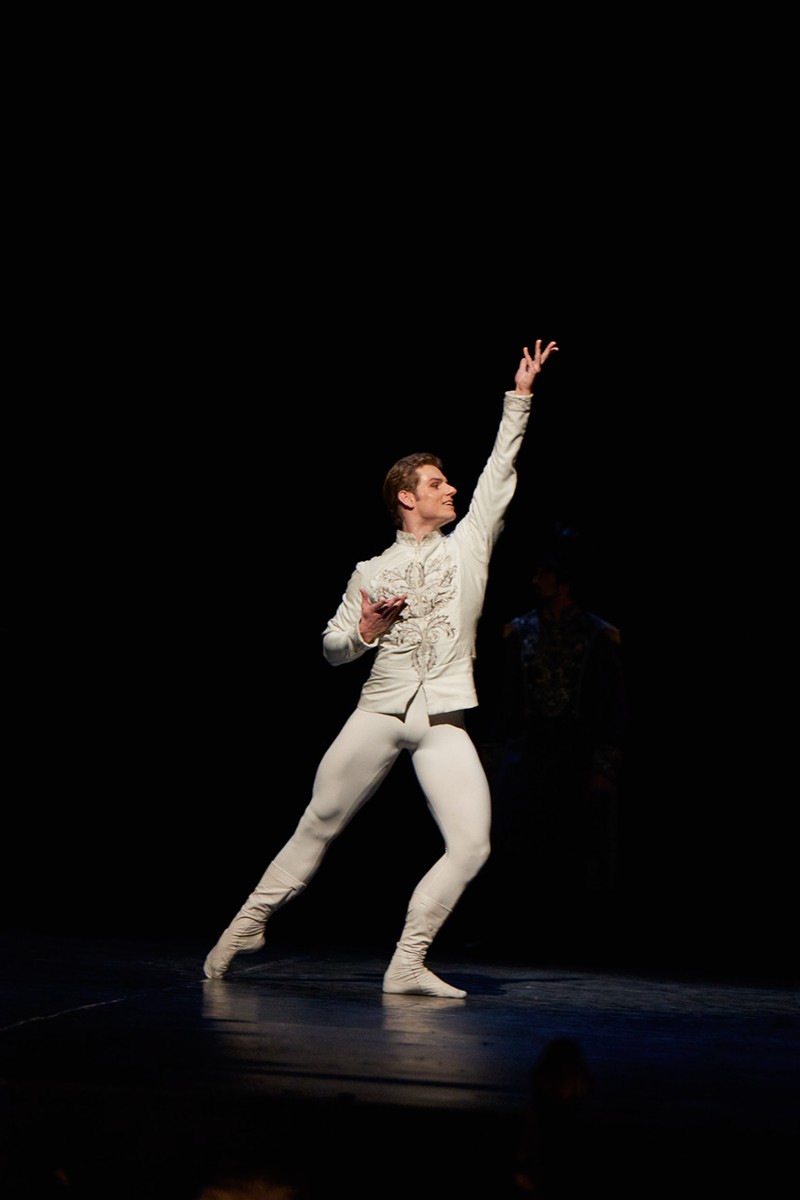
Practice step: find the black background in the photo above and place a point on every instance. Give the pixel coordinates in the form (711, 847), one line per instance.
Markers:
(241, 385)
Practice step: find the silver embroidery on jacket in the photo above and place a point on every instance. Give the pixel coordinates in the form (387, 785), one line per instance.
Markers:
(423, 621)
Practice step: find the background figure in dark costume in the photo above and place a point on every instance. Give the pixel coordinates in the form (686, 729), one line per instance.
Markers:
(554, 766)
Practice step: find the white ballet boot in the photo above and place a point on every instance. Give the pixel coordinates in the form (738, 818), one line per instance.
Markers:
(407, 973)
(245, 934)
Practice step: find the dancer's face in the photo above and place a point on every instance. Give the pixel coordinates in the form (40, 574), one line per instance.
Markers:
(432, 499)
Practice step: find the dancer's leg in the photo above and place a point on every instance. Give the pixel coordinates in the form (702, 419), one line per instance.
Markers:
(452, 777)
(350, 772)
(450, 773)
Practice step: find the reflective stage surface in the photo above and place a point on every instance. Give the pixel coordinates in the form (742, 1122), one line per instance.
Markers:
(125, 1073)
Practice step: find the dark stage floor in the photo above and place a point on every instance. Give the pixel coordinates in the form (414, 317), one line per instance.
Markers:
(126, 1074)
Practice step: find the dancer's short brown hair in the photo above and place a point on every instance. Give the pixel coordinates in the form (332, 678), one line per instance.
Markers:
(402, 477)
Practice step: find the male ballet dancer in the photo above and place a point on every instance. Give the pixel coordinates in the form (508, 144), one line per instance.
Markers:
(415, 607)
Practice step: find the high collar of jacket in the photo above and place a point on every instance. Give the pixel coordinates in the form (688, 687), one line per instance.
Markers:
(410, 539)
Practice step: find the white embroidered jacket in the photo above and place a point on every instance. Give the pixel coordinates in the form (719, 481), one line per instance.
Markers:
(432, 645)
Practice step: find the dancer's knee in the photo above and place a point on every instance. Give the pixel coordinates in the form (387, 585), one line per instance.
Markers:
(471, 858)
(317, 828)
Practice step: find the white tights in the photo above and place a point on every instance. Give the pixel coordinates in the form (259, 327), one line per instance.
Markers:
(449, 772)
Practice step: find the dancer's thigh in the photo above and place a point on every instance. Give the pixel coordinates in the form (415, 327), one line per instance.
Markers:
(355, 764)
(452, 777)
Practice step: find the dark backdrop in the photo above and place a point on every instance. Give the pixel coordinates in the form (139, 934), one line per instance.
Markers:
(216, 484)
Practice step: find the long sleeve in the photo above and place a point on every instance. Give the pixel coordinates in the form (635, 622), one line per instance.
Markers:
(495, 488)
(341, 640)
